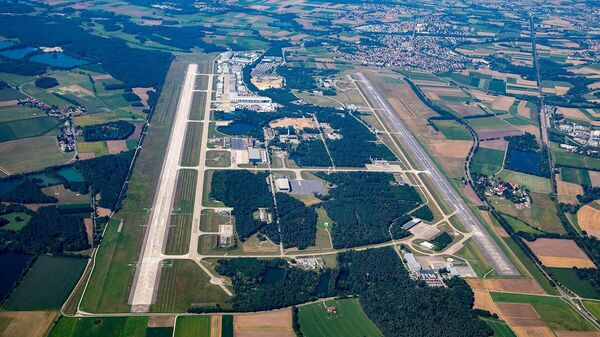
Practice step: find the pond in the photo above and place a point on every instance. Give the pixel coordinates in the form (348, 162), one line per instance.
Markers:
(273, 275)
(526, 162)
(16, 53)
(12, 265)
(72, 175)
(6, 44)
(237, 128)
(58, 60)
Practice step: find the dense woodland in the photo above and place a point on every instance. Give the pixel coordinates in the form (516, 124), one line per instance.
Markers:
(27, 191)
(46, 82)
(245, 192)
(398, 305)
(108, 131)
(298, 223)
(48, 231)
(353, 198)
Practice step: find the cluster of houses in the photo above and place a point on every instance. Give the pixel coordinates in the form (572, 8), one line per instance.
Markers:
(504, 190)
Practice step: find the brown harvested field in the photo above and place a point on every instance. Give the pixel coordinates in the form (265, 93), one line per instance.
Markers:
(89, 229)
(503, 103)
(521, 315)
(9, 103)
(451, 154)
(142, 93)
(533, 331)
(595, 178)
(588, 219)
(568, 189)
(86, 155)
(66, 196)
(495, 144)
(471, 195)
(296, 123)
(573, 113)
(216, 325)
(116, 146)
(523, 110)
(161, 321)
(519, 285)
(464, 110)
(269, 324)
(577, 333)
(482, 96)
(137, 132)
(101, 211)
(560, 253)
(484, 301)
(485, 133)
(26, 323)
(101, 77)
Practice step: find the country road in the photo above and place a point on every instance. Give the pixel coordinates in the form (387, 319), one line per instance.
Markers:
(482, 238)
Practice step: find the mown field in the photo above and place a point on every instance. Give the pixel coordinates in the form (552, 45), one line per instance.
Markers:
(198, 105)
(185, 192)
(534, 183)
(568, 277)
(191, 148)
(192, 326)
(133, 326)
(556, 313)
(178, 238)
(349, 320)
(25, 128)
(487, 161)
(452, 130)
(47, 284)
(576, 176)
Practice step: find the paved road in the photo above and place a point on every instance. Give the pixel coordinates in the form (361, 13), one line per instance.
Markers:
(146, 279)
(499, 260)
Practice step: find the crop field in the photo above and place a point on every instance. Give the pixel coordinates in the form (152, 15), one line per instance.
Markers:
(560, 253)
(198, 105)
(276, 323)
(17, 112)
(184, 284)
(26, 323)
(568, 277)
(25, 128)
(452, 130)
(191, 149)
(593, 307)
(349, 320)
(519, 226)
(192, 326)
(534, 183)
(104, 117)
(487, 161)
(556, 313)
(575, 176)
(47, 285)
(97, 148)
(185, 192)
(588, 218)
(178, 239)
(134, 326)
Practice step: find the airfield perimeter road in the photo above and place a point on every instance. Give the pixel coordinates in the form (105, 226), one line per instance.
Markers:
(148, 267)
(501, 263)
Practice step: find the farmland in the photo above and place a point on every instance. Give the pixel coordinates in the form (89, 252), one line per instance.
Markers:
(349, 320)
(47, 285)
(568, 277)
(487, 161)
(192, 326)
(100, 327)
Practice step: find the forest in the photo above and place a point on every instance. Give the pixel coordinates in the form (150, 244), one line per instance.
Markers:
(108, 131)
(245, 192)
(398, 305)
(351, 202)
(48, 231)
(46, 82)
(298, 223)
(27, 191)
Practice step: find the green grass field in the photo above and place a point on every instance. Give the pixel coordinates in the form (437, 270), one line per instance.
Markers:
(568, 277)
(97, 148)
(576, 176)
(452, 130)
(218, 159)
(593, 307)
(14, 224)
(184, 284)
(191, 149)
(563, 157)
(134, 326)
(518, 225)
(47, 285)
(471, 253)
(557, 314)
(16, 112)
(185, 192)
(178, 239)
(198, 105)
(227, 326)
(25, 128)
(349, 320)
(487, 161)
(500, 328)
(31, 154)
(542, 214)
(534, 183)
(192, 326)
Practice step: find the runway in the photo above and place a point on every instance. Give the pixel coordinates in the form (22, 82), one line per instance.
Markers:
(499, 260)
(148, 267)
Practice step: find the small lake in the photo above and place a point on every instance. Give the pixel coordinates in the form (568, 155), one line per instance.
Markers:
(12, 265)
(526, 162)
(237, 128)
(273, 275)
(58, 60)
(72, 175)
(17, 53)
(6, 44)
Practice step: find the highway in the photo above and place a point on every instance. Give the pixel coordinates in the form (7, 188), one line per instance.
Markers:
(145, 283)
(501, 263)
